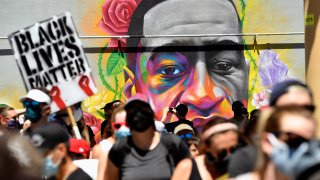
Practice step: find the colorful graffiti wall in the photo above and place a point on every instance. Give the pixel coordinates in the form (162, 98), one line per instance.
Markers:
(180, 51)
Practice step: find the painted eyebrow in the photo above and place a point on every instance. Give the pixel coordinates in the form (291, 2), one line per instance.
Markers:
(180, 46)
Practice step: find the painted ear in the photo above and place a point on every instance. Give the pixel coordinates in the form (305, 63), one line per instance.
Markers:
(128, 89)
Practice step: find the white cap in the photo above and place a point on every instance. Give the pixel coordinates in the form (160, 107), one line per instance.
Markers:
(36, 95)
(181, 127)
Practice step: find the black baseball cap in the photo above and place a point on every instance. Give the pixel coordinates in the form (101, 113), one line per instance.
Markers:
(48, 136)
(111, 104)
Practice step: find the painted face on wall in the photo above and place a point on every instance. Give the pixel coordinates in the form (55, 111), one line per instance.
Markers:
(206, 81)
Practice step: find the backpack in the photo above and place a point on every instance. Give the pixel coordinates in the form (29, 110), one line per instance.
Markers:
(171, 143)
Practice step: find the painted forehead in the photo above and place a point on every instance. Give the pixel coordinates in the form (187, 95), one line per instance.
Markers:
(192, 13)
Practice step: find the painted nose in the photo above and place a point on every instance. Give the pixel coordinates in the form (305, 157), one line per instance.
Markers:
(201, 91)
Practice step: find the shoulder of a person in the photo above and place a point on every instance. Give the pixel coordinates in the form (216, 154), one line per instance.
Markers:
(185, 164)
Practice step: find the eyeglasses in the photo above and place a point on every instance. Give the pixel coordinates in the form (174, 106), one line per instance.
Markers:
(186, 135)
(291, 139)
(117, 125)
(31, 104)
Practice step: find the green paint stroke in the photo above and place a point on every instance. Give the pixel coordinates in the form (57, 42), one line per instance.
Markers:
(143, 67)
(251, 59)
(100, 69)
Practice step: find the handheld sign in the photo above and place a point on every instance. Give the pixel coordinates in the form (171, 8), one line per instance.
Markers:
(49, 54)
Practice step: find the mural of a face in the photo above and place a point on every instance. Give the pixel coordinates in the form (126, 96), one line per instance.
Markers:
(206, 81)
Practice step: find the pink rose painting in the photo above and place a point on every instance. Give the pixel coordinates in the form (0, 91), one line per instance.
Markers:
(116, 15)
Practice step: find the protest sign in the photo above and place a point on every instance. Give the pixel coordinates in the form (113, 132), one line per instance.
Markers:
(49, 54)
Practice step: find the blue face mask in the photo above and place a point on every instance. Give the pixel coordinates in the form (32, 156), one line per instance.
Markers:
(50, 169)
(33, 114)
(123, 131)
(285, 158)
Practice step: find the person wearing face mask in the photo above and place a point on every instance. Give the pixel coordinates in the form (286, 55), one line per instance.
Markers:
(119, 130)
(37, 103)
(53, 142)
(63, 118)
(221, 138)
(147, 153)
(285, 133)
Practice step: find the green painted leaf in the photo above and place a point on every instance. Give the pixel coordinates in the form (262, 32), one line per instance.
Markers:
(115, 63)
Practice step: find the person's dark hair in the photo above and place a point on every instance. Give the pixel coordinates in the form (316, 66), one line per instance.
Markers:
(250, 127)
(193, 140)
(238, 108)
(138, 111)
(106, 128)
(283, 87)
(136, 27)
(182, 110)
(19, 160)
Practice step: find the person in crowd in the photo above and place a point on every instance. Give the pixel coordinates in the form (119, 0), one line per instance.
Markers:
(119, 130)
(286, 127)
(79, 149)
(18, 159)
(284, 93)
(250, 127)
(207, 81)
(184, 131)
(181, 112)
(240, 114)
(106, 127)
(193, 144)
(109, 107)
(62, 117)
(9, 117)
(53, 141)
(37, 103)
(146, 154)
(221, 138)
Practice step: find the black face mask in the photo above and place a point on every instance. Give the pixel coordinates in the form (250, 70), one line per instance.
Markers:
(140, 122)
(220, 164)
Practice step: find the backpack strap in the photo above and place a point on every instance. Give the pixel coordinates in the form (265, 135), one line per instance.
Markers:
(123, 148)
(171, 143)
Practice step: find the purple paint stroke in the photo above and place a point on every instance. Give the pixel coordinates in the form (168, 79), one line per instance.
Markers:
(271, 69)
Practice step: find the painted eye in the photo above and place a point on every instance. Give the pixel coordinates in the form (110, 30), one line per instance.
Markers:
(170, 70)
(222, 66)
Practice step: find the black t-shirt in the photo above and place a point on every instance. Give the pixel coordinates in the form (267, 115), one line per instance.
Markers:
(79, 174)
(150, 164)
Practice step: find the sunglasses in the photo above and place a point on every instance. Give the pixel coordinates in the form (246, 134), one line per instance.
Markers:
(291, 139)
(224, 152)
(31, 104)
(117, 125)
(186, 135)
